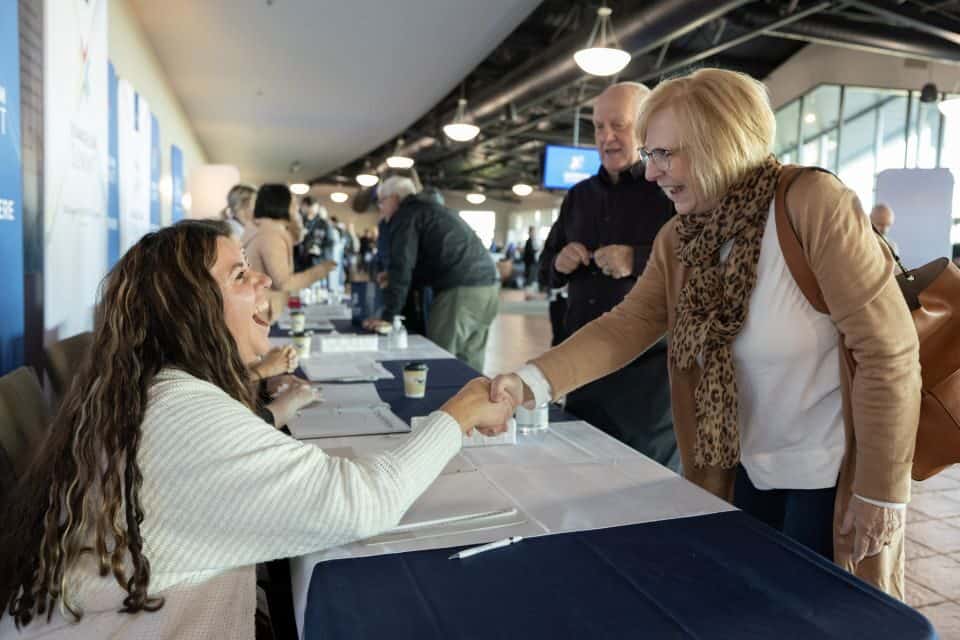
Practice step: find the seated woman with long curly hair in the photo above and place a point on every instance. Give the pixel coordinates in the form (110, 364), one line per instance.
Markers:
(159, 489)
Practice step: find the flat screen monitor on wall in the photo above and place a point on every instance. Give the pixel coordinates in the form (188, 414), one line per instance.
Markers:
(564, 167)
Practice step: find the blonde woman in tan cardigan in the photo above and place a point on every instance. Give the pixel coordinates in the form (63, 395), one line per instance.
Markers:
(765, 412)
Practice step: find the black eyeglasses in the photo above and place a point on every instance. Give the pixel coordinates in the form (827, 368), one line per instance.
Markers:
(660, 157)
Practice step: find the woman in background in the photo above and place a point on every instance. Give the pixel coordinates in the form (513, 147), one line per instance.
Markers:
(239, 210)
(270, 239)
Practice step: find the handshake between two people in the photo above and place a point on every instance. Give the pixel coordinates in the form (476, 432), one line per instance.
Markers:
(486, 405)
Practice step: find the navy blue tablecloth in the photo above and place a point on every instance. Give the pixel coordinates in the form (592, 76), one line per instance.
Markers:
(445, 377)
(716, 576)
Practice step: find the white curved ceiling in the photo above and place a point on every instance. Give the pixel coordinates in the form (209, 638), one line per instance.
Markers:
(316, 81)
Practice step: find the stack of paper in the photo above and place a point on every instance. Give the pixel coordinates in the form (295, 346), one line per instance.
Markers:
(343, 368)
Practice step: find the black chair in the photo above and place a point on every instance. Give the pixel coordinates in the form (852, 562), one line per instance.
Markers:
(64, 359)
(24, 418)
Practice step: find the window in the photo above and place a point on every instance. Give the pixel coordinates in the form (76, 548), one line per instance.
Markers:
(788, 120)
(924, 133)
(878, 129)
(818, 123)
(950, 158)
(483, 224)
(891, 133)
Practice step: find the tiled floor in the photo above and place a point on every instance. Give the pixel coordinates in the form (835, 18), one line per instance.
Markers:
(933, 551)
(933, 525)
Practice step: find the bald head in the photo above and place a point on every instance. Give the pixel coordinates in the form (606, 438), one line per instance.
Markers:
(881, 216)
(615, 114)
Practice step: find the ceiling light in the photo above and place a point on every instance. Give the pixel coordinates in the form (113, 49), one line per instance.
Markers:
(367, 179)
(459, 130)
(476, 198)
(810, 118)
(339, 197)
(607, 57)
(299, 188)
(399, 162)
(522, 190)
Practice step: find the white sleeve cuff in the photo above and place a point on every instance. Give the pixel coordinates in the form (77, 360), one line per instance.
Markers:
(900, 506)
(539, 387)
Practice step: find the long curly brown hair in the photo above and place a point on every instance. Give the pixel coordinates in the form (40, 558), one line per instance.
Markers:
(159, 307)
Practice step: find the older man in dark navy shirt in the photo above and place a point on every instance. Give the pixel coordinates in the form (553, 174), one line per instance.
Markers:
(598, 247)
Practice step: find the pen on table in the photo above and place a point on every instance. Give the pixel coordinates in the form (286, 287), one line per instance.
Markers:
(472, 551)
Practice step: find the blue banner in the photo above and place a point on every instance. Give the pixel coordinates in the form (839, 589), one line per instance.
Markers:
(154, 173)
(176, 176)
(11, 185)
(113, 181)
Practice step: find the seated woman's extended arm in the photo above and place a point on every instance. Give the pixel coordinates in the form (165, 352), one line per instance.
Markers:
(234, 491)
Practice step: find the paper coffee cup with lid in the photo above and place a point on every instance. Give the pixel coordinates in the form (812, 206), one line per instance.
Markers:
(298, 321)
(415, 379)
(301, 342)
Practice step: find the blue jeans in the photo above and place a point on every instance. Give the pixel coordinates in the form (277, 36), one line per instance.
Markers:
(805, 515)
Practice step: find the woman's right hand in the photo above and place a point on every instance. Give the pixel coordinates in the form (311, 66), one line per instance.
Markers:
(473, 408)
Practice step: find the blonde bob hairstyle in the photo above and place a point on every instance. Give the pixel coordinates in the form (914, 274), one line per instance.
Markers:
(725, 125)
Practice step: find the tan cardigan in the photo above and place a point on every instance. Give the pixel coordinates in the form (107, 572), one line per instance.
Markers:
(268, 244)
(881, 402)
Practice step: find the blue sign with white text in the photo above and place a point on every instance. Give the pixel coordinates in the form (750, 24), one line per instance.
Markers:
(564, 167)
(176, 176)
(113, 180)
(11, 189)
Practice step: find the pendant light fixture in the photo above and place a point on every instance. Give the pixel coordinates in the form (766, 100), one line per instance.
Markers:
(459, 130)
(522, 189)
(476, 196)
(339, 197)
(299, 188)
(603, 56)
(367, 178)
(398, 160)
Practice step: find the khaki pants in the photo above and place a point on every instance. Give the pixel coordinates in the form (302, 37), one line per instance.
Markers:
(460, 320)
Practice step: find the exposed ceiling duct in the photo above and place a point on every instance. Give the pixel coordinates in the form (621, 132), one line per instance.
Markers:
(878, 38)
(640, 32)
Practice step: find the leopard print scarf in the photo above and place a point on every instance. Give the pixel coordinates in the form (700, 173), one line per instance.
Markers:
(713, 304)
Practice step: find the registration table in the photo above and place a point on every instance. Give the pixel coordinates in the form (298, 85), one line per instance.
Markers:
(615, 546)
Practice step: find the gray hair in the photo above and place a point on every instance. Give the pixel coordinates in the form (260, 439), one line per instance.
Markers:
(399, 186)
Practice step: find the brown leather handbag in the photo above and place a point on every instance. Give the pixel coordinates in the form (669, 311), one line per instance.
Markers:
(933, 294)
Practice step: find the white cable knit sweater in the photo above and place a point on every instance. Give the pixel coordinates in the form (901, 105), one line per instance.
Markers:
(223, 490)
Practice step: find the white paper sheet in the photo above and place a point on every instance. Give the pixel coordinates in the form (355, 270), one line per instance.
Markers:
(343, 367)
(577, 497)
(543, 448)
(347, 396)
(327, 422)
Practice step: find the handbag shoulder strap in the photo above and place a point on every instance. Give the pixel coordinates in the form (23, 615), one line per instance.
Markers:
(790, 242)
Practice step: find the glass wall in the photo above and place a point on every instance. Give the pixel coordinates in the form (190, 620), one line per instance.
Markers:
(858, 132)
